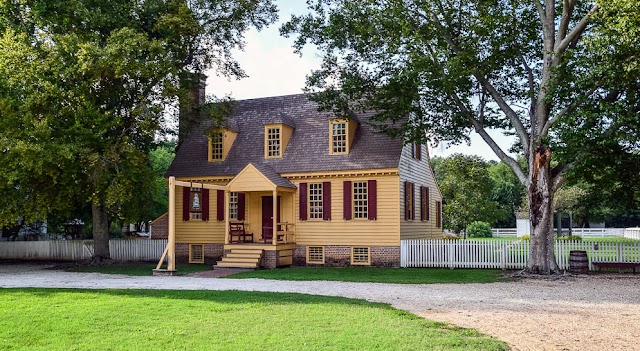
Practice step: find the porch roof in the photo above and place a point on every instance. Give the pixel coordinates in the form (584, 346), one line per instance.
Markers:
(259, 177)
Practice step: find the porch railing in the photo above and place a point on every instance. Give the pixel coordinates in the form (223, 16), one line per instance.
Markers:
(287, 234)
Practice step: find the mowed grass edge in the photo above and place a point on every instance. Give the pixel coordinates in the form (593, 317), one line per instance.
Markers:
(61, 319)
(379, 275)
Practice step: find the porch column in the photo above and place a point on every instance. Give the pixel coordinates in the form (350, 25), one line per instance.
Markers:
(227, 195)
(171, 242)
(275, 217)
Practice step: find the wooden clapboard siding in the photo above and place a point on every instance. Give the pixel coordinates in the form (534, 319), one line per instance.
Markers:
(418, 172)
(337, 231)
(198, 231)
(251, 180)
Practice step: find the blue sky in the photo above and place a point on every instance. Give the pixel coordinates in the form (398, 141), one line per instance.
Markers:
(274, 69)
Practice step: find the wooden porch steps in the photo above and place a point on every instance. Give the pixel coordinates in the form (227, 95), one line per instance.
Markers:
(241, 258)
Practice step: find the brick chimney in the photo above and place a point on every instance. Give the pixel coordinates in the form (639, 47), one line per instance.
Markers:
(191, 107)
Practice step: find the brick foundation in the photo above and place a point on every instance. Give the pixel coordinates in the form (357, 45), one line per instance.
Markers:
(340, 256)
(212, 253)
(160, 228)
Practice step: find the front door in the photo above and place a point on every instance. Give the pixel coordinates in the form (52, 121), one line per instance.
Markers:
(267, 218)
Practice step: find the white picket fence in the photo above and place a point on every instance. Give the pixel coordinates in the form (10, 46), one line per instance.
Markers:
(74, 250)
(632, 233)
(506, 254)
(583, 232)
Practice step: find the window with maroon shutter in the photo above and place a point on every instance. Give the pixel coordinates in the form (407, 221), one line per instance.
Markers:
(302, 189)
(438, 214)
(360, 200)
(220, 205)
(424, 203)
(186, 195)
(241, 206)
(205, 204)
(195, 203)
(373, 200)
(315, 201)
(326, 201)
(409, 201)
(346, 199)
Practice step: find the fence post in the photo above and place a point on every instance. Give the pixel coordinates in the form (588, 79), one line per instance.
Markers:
(450, 253)
(503, 255)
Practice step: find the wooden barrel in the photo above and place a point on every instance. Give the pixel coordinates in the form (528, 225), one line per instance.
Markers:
(578, 262)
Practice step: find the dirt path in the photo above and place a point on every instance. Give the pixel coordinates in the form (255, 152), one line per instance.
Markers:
(576, 313)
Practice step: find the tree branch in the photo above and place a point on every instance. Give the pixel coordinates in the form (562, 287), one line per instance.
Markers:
(479, 128)
(572, 106)
(567, 11)
(530, 78)
(576, 32)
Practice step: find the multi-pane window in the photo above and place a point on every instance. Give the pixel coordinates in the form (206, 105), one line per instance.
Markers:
(315, 254)
(195, 203)
(315, 200)
(216, 146)
(339, 138)
(360, 200)
(233, 205)
(273, 142)
(360, 256)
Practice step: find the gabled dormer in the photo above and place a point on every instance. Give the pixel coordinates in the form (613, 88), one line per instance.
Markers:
(341, 133)
(276, 139)
(220, 142)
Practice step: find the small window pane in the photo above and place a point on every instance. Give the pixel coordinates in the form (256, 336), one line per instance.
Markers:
(216, 146)
(233, 205)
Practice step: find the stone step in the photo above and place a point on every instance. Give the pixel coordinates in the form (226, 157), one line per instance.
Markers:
(223, 264)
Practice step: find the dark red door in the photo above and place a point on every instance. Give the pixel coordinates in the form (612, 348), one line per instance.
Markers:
(267, 218)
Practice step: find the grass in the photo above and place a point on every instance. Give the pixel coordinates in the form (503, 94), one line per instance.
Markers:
(57, 319)
(139, 269)
(378, 275)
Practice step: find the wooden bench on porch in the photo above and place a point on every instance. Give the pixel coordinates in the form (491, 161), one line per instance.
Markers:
(238, 234)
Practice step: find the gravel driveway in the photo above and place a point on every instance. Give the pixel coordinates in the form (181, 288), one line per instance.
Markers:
(575, 313)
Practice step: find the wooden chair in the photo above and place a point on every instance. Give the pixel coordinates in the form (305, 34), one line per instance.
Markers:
(237, 234)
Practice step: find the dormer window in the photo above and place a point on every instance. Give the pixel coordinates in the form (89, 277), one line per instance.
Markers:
(216, 146)
(341, 134)
(273, 143)
(339, 138)
(220, 142)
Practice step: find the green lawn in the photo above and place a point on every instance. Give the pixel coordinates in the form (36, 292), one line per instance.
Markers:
(57, 319)
(140, 269)
(378, 275)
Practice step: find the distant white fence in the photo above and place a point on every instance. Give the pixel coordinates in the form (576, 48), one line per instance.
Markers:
(583, 232)
(504, 232)
(506, 254)
(632, 233)
(74, 250)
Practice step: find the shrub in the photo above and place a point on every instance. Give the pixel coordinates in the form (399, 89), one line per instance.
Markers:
(450, 236)
(525, 237)
(479, 230)
(570, 238)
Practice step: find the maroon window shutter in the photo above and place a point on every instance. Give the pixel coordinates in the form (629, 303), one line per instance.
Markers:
(422, 203)
(406, 200)
(220, 205)
(205, 204)
(412, 193)
(418, 152)
(241, 206)
(303, 201)
(372, 188)
(186, 205)
(326, 201)
(426, 192)
(347, 200)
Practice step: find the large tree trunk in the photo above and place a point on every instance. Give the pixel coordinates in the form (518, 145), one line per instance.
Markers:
(100, 232)
(540, 194)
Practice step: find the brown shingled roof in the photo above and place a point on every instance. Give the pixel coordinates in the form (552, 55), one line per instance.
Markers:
(308, 148)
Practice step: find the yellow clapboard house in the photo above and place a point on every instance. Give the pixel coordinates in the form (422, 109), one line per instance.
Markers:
(283, 184)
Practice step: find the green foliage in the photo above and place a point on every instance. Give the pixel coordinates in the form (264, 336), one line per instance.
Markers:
(479, 229)
(466, 189)
(507, 192)
(56, 319)
(525, 237)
